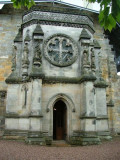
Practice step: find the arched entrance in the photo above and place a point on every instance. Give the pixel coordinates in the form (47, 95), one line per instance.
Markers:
(59, 121)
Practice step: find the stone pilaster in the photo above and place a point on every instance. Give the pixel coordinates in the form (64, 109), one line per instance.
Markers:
(102, 127)
(36, 98)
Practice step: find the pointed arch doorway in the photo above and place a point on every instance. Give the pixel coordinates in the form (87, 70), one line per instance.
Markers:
(59, 120)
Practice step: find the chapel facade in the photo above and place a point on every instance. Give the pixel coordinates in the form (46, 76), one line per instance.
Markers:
(61, 81)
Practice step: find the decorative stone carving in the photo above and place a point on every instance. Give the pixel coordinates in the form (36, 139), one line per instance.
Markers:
(14, 58)
(85, 57)
(25, 54)
(24, 89)
(85, 35)
(93, 67)
(65, 24)
(18, 38)
(61, 96)
(99, 65)
(60, 50)
(25, 60)
(27, 38)
(80, 19)
(86, 63)
(96, 44)
(37, 59)
(2, 98)
(38, 31)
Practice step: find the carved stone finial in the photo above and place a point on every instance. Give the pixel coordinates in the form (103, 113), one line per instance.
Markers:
(84, 35)
(27, 38)
(38, 31)
(91, 44)
(96, 44)
(18, 38)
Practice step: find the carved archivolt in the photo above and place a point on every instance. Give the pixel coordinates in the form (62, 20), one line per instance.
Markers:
(60, 50)
(65, 98)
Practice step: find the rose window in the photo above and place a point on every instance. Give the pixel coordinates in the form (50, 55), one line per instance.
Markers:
(60, 50)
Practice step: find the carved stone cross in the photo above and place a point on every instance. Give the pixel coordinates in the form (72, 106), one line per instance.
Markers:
(61, 48)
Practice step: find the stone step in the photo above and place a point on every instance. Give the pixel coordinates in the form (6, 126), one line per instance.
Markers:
(60, 143)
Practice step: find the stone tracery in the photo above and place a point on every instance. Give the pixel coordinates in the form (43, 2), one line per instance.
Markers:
(60, 50)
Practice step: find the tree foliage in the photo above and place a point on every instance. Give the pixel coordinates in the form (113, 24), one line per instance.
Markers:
(109, 13)
(23, 3)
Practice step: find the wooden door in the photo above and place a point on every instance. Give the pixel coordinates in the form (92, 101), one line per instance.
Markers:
(59, 121)
(59, 125)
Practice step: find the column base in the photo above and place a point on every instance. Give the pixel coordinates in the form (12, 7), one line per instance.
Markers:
(104, 135)
(34, 140)
(85, 138)
(83, 141)
(35, 137)
(19, 135)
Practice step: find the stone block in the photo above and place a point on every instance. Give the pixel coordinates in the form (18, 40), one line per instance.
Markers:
(88, 124)
(81, 140)
(102, 125)
(23, 124)
(11, 123)
(35, 124)
(101, 108)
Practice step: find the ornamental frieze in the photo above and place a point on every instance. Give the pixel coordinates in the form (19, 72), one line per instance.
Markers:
(63, 24)
(57, 17)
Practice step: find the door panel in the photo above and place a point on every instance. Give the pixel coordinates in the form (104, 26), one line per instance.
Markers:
(59, 121)
(59, 133)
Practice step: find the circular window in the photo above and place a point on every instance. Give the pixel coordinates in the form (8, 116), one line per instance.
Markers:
(60, 50)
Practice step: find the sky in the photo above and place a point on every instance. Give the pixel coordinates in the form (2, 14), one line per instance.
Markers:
(1, 5)
(82, 3)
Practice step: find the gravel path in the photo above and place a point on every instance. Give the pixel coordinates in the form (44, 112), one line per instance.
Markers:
(12, 150)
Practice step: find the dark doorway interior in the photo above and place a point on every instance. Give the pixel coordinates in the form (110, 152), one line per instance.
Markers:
(59, 120)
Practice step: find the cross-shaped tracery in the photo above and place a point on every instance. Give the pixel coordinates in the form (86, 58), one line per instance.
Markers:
(60, 50)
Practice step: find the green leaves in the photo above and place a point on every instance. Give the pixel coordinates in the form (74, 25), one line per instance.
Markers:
(23, 3)
(106, 19)
(116, 10)
(109, 13)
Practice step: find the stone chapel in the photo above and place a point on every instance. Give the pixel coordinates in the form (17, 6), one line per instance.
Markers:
(58, 76)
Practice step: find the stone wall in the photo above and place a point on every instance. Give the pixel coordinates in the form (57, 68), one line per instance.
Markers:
(9, 23)
(10, 20)
(109, 73)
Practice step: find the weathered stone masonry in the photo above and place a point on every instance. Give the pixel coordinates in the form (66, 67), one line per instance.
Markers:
(36, 81)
